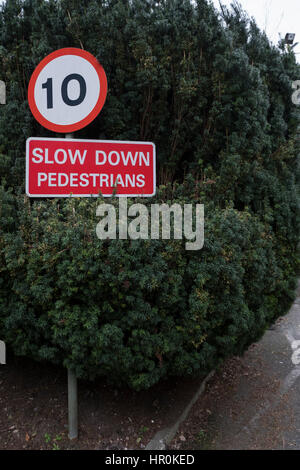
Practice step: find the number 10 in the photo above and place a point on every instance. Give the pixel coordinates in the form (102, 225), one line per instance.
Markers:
(48, 85)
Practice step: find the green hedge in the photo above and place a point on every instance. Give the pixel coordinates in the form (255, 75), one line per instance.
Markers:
(137, 310)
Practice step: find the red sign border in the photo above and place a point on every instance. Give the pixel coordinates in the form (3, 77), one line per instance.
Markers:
(88, 140)
(101, 99)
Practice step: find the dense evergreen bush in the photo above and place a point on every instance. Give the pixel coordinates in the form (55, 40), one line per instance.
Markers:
(215, 97)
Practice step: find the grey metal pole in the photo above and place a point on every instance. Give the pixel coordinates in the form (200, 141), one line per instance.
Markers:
(72, 405)
(72, 388)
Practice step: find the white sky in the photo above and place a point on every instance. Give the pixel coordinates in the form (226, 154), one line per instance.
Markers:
(273, 16)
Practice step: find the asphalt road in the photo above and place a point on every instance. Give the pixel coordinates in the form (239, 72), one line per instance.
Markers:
(263, 411)
(253, 402)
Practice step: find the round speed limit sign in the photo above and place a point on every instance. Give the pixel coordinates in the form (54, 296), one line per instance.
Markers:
(67, 90)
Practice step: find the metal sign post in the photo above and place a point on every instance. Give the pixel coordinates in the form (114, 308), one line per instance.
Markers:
(72, 405)
(72, 388)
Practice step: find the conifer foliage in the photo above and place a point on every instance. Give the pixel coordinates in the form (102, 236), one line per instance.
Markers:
(215, 97)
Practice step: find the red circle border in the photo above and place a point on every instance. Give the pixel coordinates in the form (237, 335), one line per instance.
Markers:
(97, 108)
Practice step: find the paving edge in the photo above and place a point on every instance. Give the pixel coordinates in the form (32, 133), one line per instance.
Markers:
(164, 437)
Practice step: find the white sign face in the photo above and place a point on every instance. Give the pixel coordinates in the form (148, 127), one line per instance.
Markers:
(67, 90)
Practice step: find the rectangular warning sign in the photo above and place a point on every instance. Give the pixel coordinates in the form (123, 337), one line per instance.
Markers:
(74, 167)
